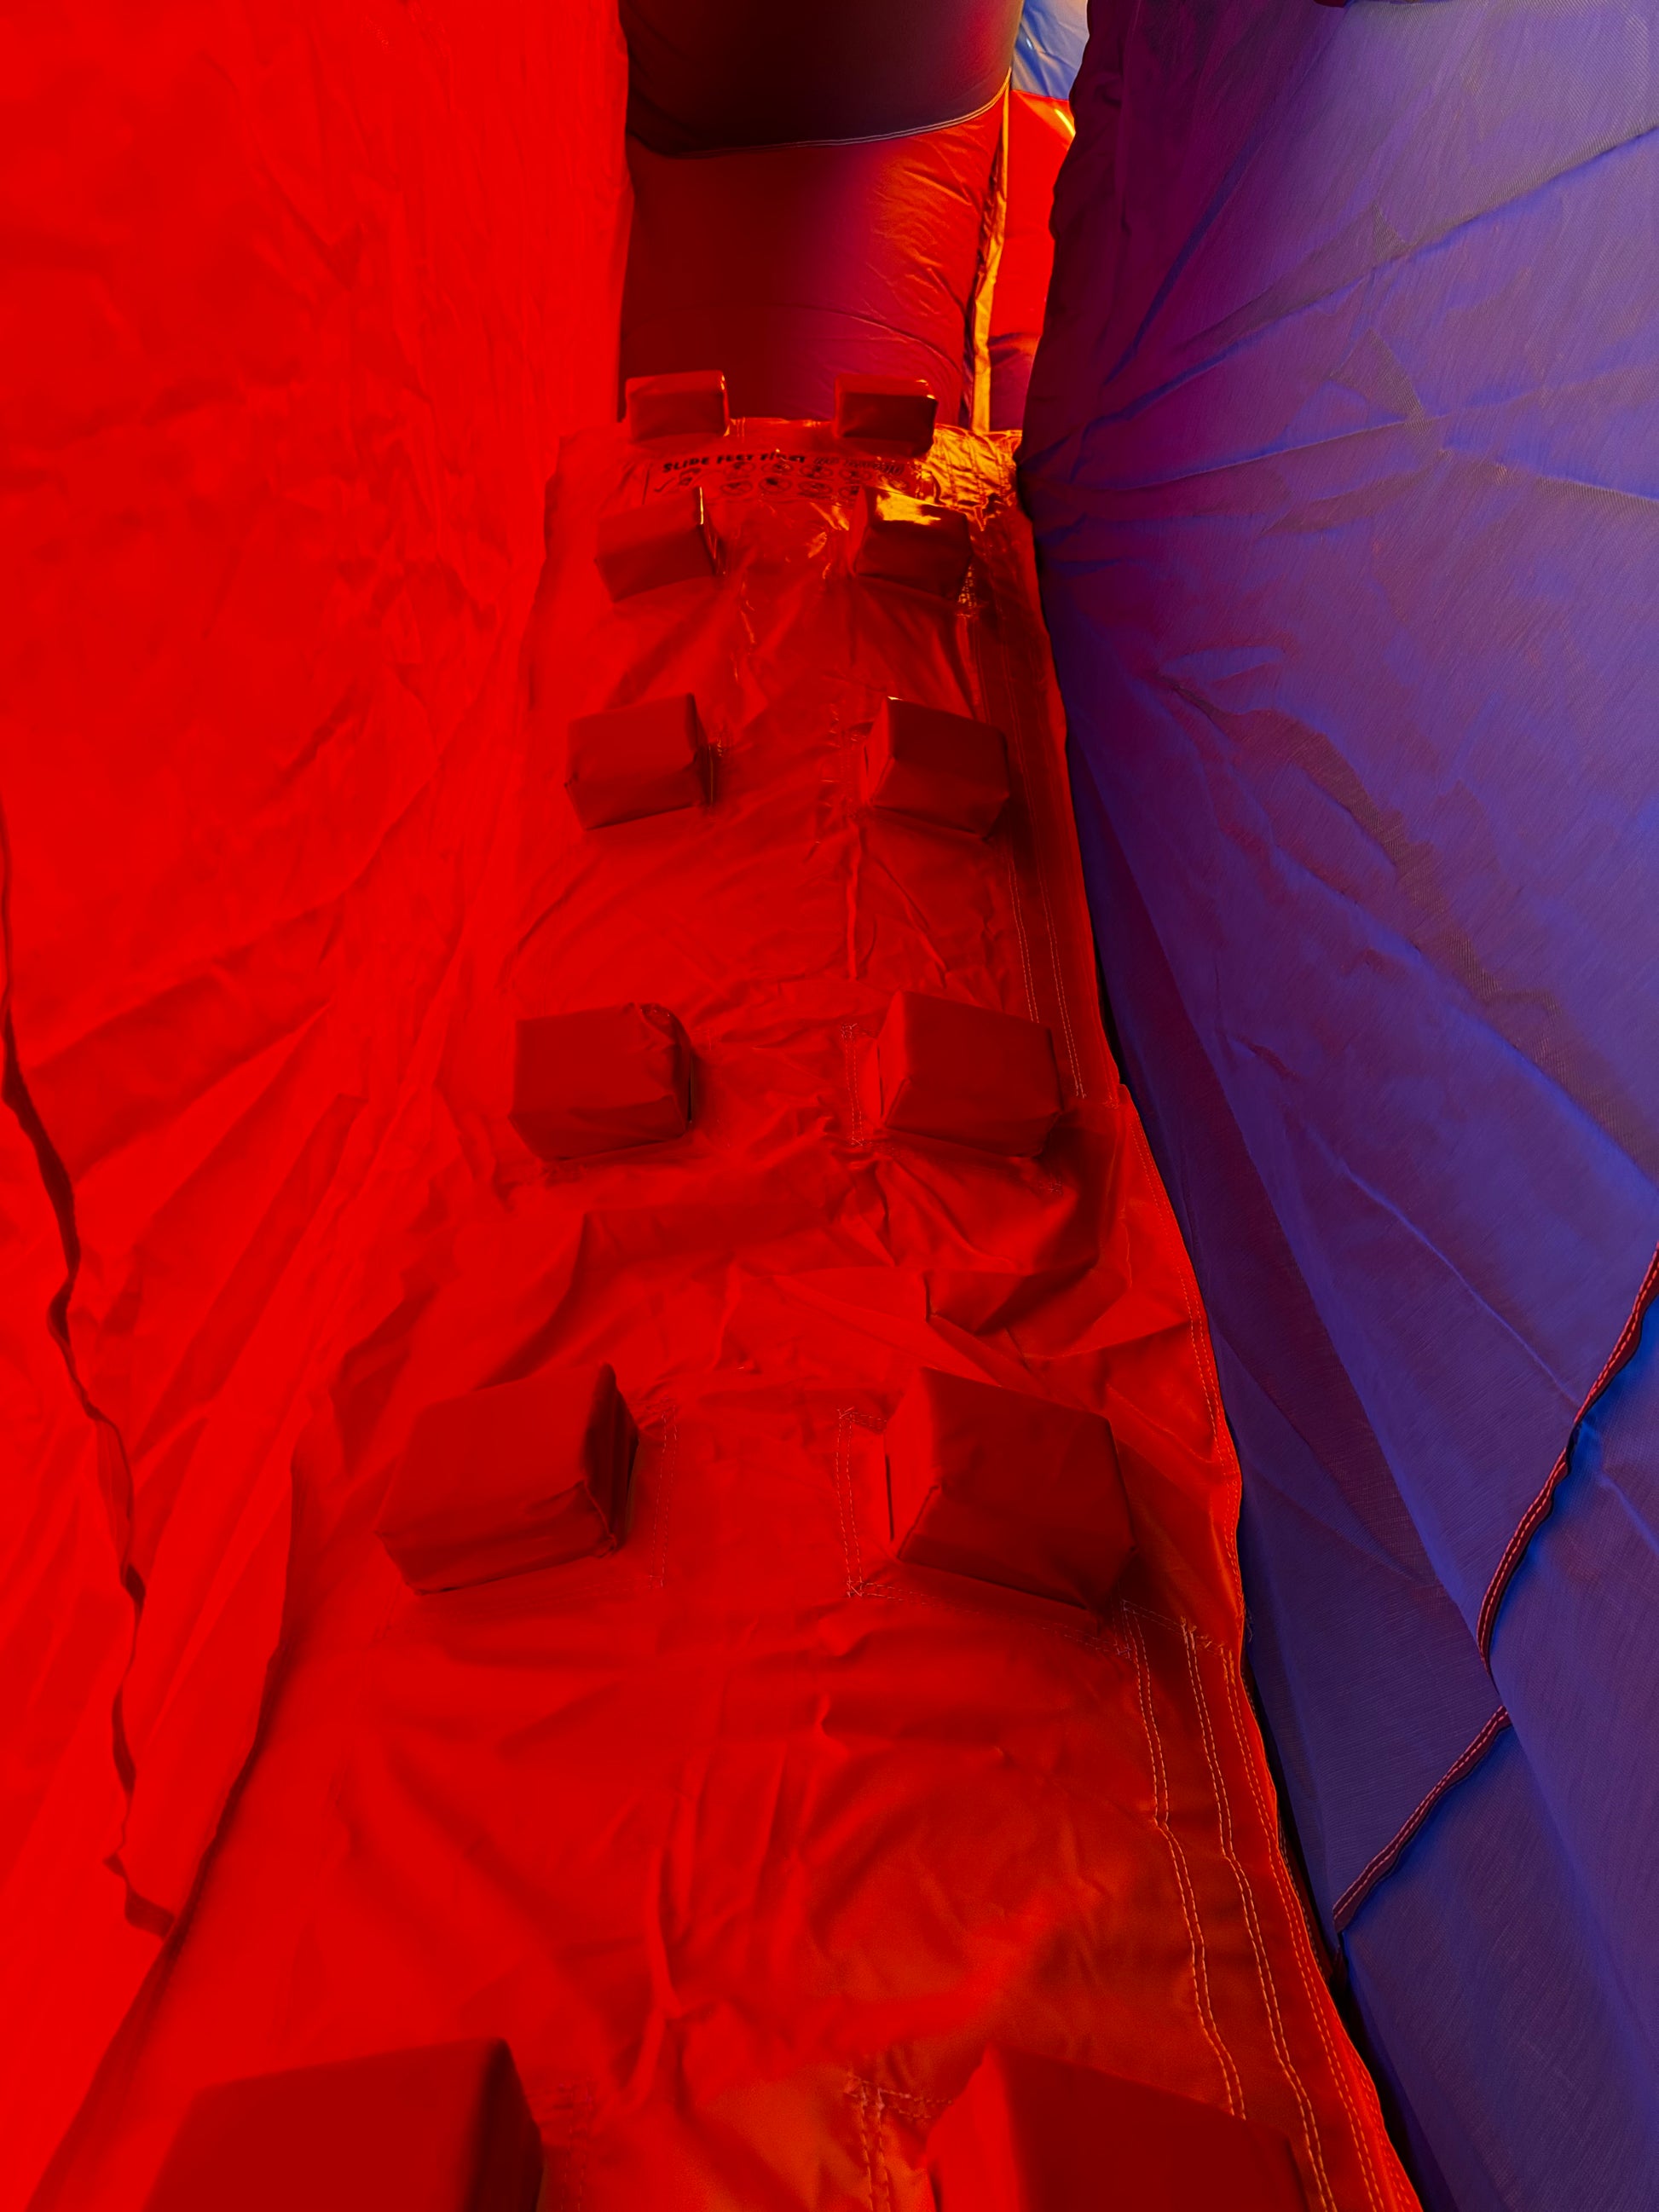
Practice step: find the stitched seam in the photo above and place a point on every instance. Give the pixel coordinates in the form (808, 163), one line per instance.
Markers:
(583, 2131)
(1102, 1638)
(1230, 2083)
(850, 1033)
(856, 2091)
(1032, 687)
(1487, 1622)
(1201, 1347)
(909, 2101)
(1171, 1620)
(1211, 1385)
(1312, 1988)
(1385, 1861)
(1264, 1973)
(845, 1420)
(565, 2186)
(670, 1449)
(1018, 686)
(981, 650)
(1027, 973)
(864, 2095)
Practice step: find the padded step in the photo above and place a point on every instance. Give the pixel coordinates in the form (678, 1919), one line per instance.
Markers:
(1039, 2135)
(896, 539)
(600, 1080)
(691, 404)
(441, 2128)
(933, 767)
(635, 761)
(666, 541)
(511, 1480)
(888, 414)
(1008, 1488)
(946, 1069)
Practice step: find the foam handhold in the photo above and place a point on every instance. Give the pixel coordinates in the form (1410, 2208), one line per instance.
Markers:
(1008, 1488)
(441, 2128)
(889, 414)
(510, 1479)
(666, 541)
(947, 1069)
(1041, 2135)
(935, 766)
(896, 539)
(635, 761)
(692, 404)
(600, 1080)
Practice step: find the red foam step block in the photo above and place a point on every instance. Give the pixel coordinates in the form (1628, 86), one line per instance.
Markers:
(1037, 2135)
(510, 1479)
(935, 766)
(444, 2128)
(600, 1080)
(896, 539)
(1008, 1488)
(666, 541)
(946, 1069)
(635, 761)
(889, 413)
(689, 405)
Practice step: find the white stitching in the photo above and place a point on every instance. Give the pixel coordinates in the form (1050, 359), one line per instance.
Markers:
(862, 2093)
(845, 1420)
(1264, 1973)
(1314, 1991)
(851, 1033)
(1230, 2083)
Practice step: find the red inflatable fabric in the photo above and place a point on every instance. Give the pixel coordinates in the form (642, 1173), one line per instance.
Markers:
(1040, 131)
(787, 265)
(296, 300)
(706, 74)
(748, 1837)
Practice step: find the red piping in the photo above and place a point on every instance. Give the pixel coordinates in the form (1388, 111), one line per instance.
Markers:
(1541, 1505)
(1386, 1860)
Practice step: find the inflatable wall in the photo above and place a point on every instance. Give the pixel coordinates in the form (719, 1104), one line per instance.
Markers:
(622, 1574)
(1339, 457)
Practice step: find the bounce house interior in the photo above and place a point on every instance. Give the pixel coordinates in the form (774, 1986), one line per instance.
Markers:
(830, 1162)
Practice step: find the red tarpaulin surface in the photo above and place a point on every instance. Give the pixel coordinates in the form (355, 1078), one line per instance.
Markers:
(746, 1837)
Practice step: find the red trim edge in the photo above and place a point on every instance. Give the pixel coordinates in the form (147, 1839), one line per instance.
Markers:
(1538, 1509)
(1388, 1857)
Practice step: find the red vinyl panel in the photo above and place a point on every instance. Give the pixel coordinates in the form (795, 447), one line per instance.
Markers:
(748, 1836)
(1039, 134)
(785, 266)
(296, 300)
